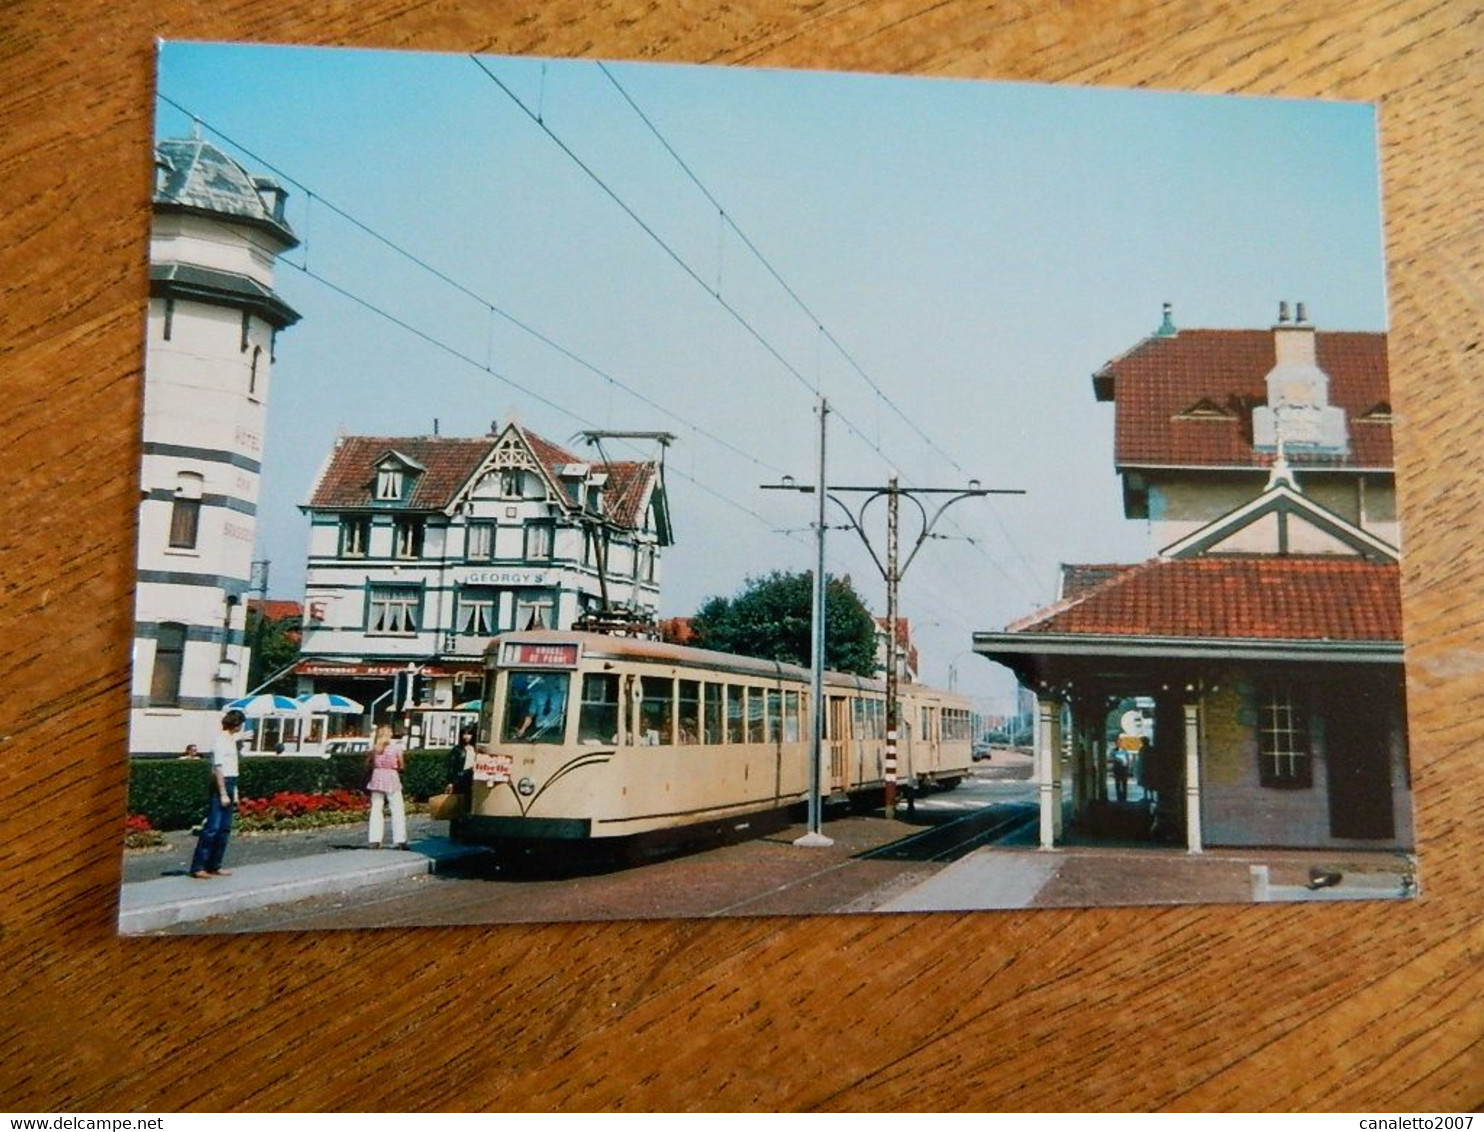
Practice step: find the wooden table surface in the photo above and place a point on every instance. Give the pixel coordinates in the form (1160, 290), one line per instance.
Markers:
(1339, 1006)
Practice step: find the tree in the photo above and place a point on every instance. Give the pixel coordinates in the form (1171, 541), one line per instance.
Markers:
(770, 618)
(275, 646)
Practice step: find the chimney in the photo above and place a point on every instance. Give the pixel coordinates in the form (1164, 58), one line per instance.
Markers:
(1167, 324)
(1293, 342)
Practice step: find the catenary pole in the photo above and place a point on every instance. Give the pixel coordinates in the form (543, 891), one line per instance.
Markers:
(892, 571)
(892, 577)
(814, 838)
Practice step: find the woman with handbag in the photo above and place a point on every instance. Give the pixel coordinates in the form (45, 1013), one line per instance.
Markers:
(385, 760)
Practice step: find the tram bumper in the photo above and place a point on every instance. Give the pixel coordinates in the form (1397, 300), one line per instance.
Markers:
(478, 829)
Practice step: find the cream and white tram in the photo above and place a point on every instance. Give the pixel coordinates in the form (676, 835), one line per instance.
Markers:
(585, 736)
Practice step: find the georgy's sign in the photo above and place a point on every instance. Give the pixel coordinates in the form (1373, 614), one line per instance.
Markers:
(492, 767)
(487, 577)
(524, 654)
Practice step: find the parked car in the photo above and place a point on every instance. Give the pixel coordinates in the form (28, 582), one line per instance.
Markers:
(343, 746)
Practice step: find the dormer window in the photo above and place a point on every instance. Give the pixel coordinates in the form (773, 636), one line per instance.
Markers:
(389, 482)
(1204, 410)
(396, 477)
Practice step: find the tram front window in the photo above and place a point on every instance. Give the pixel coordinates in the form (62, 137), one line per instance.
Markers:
(536, 707)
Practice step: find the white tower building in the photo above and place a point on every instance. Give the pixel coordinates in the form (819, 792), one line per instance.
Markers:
(213, 318)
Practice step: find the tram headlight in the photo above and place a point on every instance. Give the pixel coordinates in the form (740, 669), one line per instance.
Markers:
(525, 787)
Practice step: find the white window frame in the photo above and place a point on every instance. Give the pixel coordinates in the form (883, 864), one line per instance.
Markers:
(389, 479)
(543, 607)
(393, 611)
(1284, 742)
(538, 541)
(355, 536)
(479, 612)
(408, 534)
(476, 532)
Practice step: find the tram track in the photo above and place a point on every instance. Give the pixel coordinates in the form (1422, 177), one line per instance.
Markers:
(941, 844)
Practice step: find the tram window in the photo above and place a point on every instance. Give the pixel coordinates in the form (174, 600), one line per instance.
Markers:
(536, 707)
(598, 722)
(790, 717)
(711, 733)
(657, 711)
(755, 715)
(487, 707)
(735, 730)
(775, 716)
(690, 711)
(859, 707)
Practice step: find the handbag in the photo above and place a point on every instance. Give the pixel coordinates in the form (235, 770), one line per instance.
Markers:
(446, 807)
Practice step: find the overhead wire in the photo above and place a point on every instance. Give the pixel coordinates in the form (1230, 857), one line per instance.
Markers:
(488, 368)
(729, 219)
(467, 291)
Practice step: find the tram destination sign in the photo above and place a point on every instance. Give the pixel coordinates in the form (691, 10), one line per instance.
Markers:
(531, 655)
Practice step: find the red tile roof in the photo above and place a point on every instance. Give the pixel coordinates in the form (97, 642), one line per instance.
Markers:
(1079, 577)
(625, 492)
(1161, 378)
(1241, 598)
(349, 478)
(276, 609)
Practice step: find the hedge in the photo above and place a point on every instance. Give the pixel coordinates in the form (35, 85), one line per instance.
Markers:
(172, 793)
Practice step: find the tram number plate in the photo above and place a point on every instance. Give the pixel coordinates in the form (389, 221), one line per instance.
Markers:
(493, 768)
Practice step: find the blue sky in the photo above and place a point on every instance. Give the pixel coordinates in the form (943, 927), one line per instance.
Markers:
(979, 249)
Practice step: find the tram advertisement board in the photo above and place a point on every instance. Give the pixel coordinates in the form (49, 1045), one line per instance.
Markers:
(490, 767)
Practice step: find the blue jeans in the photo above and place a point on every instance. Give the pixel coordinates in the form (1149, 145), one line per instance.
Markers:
(211, 846)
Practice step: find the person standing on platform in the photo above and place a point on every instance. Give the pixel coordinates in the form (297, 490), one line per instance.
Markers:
(461, 766)
(211, 846)
(386, 787)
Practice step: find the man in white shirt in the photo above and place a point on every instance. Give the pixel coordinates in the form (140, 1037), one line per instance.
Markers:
(211, 847)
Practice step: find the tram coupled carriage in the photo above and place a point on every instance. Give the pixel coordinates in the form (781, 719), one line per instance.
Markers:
(587, 738)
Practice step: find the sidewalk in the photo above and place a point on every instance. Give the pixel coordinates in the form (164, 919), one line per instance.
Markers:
(159, 892)
(1081, 876)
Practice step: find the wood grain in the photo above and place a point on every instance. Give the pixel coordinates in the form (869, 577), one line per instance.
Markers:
(1336, 1007)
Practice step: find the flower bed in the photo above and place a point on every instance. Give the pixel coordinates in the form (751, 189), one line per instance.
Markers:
(139, 834)
(289, 810)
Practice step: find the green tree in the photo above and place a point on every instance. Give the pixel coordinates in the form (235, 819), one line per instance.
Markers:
(770, 618)
(274, 645)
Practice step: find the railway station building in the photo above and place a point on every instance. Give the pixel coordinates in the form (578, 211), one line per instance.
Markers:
(214, 317)
(422, 548)
(1266, 629)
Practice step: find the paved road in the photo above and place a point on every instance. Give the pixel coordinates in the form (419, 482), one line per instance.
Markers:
(765, 876)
